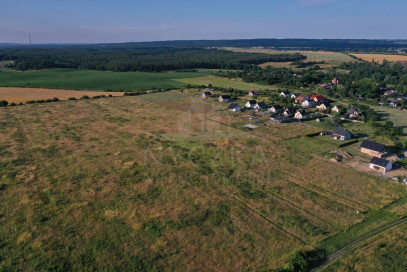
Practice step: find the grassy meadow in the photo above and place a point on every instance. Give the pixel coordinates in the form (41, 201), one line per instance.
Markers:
(166, 181)
(71, 79)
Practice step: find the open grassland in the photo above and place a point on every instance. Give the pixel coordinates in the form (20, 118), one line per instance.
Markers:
(166, 181)
(95, 80)
(398, 117)
(385, 252)
(224, 82)
(381, 57)
(17, 95)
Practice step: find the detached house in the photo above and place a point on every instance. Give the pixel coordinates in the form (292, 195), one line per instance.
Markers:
(324, 106)
(341, 134)
(337, 108)
(336, 81)
(300, 114)
(206, 94)
(308, 104)
(234, 107)
(394, 104)
(353, 113)
(275, 108)
(278, 118)
(301, 98)
(380, 165)
(259, 106)
(252, 93)
(295, 95)
(285, 94)
(373, 149)
(224, 98)
(250, 104)
(317, 98)
(289, 112)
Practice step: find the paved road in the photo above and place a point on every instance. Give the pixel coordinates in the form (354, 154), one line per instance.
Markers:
(339, 253)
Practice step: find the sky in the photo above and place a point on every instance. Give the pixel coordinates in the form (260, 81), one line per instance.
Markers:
(108, 21)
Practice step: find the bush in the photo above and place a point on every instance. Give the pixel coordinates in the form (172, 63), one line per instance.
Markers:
(85, 97)
(72, 98)
(30, 102)
(3, 103)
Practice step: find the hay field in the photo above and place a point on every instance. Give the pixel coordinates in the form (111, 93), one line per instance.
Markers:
(169, 182)
(17, 95)
(381, 57)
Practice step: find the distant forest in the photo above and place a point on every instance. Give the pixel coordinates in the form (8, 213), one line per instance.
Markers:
(120, 59)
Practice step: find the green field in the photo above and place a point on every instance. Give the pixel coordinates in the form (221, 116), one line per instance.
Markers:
(169, 182)
(398, 117)
(95, 80)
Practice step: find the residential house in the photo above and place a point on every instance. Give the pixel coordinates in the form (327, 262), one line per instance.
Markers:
(353, 113)
(380, 165)
(337, 108)
(324, 106)
(259, 106)
(300, 114)
(326, 132)
(301, 98)
(278, 118)
(372, 148)
(295, 95)
(289, 112)
(317, 98)
(206, 94)
(336, 81)
(234, 107)
(224, 98)
(340, 133)
(252, 93)
(394, 104)
(250, 104)
(275, 108)
(285, 94)
(390, 92)
(308, 104)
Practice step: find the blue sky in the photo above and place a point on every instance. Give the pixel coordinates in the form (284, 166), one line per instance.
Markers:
(95, 21)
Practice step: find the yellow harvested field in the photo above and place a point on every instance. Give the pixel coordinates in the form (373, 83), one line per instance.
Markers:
(380, 57)
(17, 95)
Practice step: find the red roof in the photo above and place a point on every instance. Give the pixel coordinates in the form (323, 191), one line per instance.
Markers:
(318, 97)
(253, 91)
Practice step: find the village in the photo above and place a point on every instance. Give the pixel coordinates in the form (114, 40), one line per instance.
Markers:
(318, 109)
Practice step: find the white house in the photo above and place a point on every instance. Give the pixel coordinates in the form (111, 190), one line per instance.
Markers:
(275, 108)
(300, 114)
(380, 165)
(259, 106)
(308, 104)
(285, 94)
(224, 98)
(250, 104)
(234, 107)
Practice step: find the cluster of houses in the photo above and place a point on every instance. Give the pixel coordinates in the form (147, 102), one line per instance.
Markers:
(335, 81)
(393, 99)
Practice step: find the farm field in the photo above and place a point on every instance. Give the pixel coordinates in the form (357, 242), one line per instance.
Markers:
(69, 79)
(381, 57)
(171, 182)
(224, 82)
(17, 95)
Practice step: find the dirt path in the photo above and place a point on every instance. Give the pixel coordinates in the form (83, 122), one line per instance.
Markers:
(339, 253)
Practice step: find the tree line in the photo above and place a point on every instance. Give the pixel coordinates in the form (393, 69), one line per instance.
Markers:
(146, 60)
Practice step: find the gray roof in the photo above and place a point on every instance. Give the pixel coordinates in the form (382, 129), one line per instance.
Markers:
(207, 93)
(233, 106)
(278, 117)
(261, 104)
(351, 110)
(226, 96)
(373, 146)
(340, 131)
(252, 102)
(380, 162)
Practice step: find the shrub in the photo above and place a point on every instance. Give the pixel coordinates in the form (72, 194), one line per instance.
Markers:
(3, 103)
(85, 97)
(30, 102)
(72, 98)
(55, 99)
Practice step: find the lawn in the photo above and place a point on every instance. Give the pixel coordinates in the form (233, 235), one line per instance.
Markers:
(167, 181)
(398, 117)
(95, 80)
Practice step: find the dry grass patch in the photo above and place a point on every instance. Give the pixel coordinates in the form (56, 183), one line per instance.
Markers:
(381, 57)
